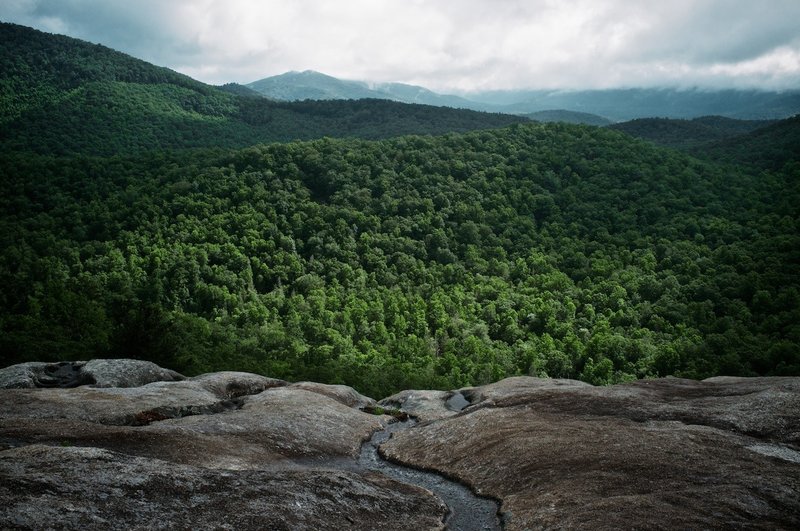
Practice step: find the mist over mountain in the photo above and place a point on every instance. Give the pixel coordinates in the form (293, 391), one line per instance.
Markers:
(310, 85)
(414, 94)
(612, 104)
(627, 104)
(293, 86)
(570, 117)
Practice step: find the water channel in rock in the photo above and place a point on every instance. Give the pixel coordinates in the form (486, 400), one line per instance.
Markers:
(467, 511)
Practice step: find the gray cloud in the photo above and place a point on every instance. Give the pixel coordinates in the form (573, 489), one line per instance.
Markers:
(454, 45)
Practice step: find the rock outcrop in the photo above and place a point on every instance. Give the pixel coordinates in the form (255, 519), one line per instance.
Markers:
(99, 373)
(660, 453)
(242, 451)
(219, 451)
(46, 487)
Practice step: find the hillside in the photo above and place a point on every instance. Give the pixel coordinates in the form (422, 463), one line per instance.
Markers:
(569, 117)
(774, 147)
(416, 94)
(66, 96)
(39, 70)
(406, 262)
(294, 86)
(557, 250)
(751, 143)
(612, 104)
(310, 85)
(688, 134)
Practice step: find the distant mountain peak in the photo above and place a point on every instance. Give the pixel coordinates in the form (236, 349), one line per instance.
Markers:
(310, 84)
(596, 107)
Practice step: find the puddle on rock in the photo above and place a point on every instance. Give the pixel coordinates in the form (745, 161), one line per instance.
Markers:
(457, 402)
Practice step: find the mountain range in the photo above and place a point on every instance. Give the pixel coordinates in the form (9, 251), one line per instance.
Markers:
(63, 95)
(293, 86)
(610, 105)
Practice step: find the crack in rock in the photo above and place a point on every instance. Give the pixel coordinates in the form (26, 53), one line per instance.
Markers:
(147, 417)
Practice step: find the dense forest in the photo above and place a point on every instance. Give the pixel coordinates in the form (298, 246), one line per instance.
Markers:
(691, 135)
(552, 250)
(569, 117)
(410, 262)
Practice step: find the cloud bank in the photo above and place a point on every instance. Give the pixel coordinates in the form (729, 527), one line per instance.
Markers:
(448, 45)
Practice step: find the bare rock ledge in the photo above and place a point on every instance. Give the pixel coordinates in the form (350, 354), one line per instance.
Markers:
(120, 444)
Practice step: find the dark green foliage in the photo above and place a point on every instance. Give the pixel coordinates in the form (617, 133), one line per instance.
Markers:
(774, 147)
(40, 69)
(64, 96)
(240, 90)
(569, 117)
(760, 144)
(416, 262)
(688, 134)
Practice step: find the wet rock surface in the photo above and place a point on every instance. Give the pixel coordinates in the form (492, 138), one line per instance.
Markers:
(220, 420)
(240, 451)
(220, 451)
(98, 373)
(341, 393)
(465, 510)
(91, 488)
(422, 405)
(661, 453)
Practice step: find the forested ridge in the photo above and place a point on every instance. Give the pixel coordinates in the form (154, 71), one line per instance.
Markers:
(64, 96)
(689, 135)
(556, 250)
(133, 223)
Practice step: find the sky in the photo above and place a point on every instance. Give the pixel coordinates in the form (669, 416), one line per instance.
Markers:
(456, 46)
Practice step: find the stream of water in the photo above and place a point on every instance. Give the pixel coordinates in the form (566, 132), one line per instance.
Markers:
(468, 511)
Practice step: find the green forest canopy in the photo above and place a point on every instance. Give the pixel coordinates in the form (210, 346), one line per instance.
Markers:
(135, 222)
(416, 262)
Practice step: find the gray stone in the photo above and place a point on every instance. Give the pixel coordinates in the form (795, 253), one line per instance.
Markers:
(45, 487)
(284, 426)
(206, 421)
(423, 405)
(650, 454)
(127, 373)
(98, 373)
(219, 451)
(230, 384)
(39, 374)
(242, 451)
(518, 386)
(341, 393)
(113, 405)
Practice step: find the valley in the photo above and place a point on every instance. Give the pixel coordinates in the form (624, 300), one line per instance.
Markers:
(412, 262)
(311, 303)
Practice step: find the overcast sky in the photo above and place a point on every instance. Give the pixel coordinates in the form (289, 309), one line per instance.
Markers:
(447, 45)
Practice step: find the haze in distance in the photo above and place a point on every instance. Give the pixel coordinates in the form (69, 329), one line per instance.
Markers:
(452, 46)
